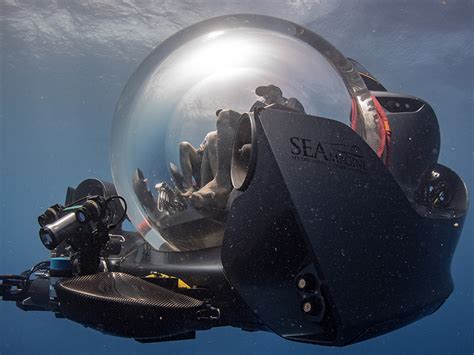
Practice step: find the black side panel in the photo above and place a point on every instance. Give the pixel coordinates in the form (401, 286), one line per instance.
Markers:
(415, 138)
(380, 264)
(264, 251)
(128, 306)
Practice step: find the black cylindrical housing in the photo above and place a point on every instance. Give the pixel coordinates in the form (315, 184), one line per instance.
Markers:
(54, 233)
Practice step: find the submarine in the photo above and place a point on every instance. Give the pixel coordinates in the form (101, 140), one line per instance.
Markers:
(261, 180)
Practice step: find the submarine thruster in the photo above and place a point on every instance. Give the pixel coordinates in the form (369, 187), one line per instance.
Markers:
(274, 185)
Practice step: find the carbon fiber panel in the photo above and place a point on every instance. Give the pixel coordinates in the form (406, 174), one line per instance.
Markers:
(126, 305)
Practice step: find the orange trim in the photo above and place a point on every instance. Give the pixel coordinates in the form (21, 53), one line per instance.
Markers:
(384, 132)
(353, 114)
(144, 227)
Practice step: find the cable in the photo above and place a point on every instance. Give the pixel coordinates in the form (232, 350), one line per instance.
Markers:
(117, 197)
(27, 274)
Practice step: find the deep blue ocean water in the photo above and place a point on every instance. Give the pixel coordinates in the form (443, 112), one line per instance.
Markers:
(63, 66)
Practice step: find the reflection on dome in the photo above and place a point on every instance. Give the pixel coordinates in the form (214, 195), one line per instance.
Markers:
(176, 119)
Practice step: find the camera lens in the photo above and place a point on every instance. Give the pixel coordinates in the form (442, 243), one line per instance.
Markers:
(81, 216)
(54, 233)
(47, 238)
(90, 211)
(50, 215)
(43, 220)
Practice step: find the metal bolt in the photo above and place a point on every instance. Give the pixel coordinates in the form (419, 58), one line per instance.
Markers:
(307, 307)
(302, 283)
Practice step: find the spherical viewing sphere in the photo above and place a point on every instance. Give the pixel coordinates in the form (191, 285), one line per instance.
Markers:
(164, 135)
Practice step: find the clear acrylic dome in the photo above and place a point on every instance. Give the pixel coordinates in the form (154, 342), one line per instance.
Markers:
(173, 98)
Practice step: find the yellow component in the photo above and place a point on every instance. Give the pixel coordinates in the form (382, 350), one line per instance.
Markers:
(159, 275)
(182, 284)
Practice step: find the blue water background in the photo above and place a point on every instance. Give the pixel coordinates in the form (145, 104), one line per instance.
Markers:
(63, 65)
